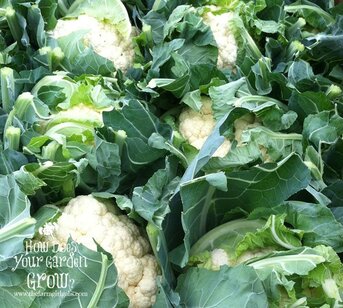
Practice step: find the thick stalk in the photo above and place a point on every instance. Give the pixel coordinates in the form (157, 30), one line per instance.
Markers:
(7, 88)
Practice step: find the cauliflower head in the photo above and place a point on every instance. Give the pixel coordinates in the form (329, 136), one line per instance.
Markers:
(220, 257)
(79, 113)
(86, 218)
(103, 37)
(227, 46)
(195, 127)
(242, 124)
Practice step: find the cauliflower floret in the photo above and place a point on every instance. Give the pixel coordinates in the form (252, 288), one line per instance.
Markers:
(86, 218)
(219, 257)
(103, 37)
(195, 127)
(227, 47)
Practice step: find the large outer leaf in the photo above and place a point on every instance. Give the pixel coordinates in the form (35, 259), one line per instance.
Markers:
(319, 224)
(204, 207)
(16, 224)
(273, 113)
(266, 185)
(229, 287)
(91, 283)
(11, 160)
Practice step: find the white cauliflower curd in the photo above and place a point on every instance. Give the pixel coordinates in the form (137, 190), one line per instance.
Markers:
(219, 257)
(79, 113)
(103, 37)
(86, 218)
(227, 47)
(195, 127)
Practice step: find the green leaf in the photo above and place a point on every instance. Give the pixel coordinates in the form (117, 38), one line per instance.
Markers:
(267, 185)
(139, 124)
(301, 76)
(27, 182)
(314, 14)
(204, 206)
(326, 46)
(11, 161)
(105, 159)
(151, 201)
(335, 193)
(316, 221)
(60, 179)
(80, 59)
(323, 127)
(297, 261)
(93, 280)
(16, 224)
(229, 287)
(309, 103)
(273, 234)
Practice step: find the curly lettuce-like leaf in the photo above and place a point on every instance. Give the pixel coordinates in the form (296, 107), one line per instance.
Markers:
(317, 222)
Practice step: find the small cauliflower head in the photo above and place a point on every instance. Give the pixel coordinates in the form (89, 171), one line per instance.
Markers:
(242, 124)
(195, 127)
(227, 46)
(103, 37)
(86, 218)
(79, 113)
(220, 257)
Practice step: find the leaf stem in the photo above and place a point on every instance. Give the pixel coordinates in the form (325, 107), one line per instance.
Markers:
(101, 283)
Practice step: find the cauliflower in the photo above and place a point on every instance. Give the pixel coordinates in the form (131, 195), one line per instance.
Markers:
(243, 123)
(103, 37)
(79, 113)
(219, 257)
(195, 127)
(227, 47)
(86, 218)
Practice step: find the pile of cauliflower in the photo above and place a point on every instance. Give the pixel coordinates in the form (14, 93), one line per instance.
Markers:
(196, 127)
(220, 27)
(85, 219)
(103, 37)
